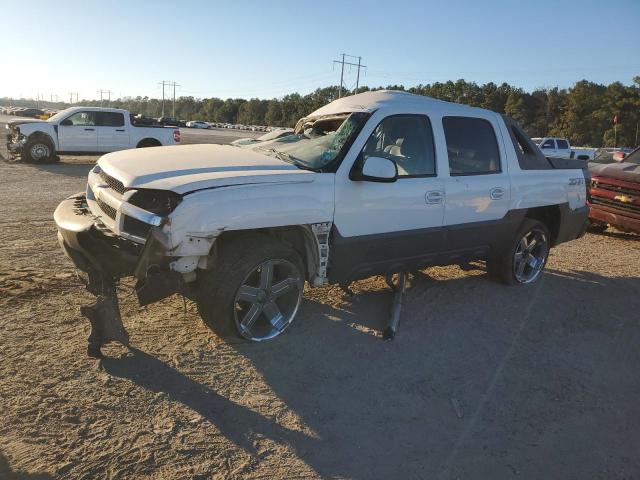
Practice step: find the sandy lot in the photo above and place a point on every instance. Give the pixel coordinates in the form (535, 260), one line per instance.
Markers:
(483, 381)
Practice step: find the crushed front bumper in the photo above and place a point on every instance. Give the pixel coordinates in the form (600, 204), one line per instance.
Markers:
(91, 249)
(105, 258)
(15, 143)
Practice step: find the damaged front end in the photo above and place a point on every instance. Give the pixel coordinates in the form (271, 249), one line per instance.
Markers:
(105, 258)
(15, 140)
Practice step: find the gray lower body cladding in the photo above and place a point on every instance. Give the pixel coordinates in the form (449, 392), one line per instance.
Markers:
(353, 258)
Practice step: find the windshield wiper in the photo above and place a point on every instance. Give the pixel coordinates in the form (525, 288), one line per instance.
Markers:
(285, 157)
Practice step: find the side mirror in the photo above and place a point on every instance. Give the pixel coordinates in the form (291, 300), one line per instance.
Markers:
(66, 122)
(376, 169)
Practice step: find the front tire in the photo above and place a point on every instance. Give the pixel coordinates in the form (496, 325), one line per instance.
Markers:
(253, 291)
(523, 262)
(38, 150)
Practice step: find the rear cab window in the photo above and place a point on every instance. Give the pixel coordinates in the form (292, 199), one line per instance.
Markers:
(109, 119)
(472, 146)
(562, 144)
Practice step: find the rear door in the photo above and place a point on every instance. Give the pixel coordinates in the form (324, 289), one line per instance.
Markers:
(77, 133)
(478, 188)
(562, 148)
(113, 135)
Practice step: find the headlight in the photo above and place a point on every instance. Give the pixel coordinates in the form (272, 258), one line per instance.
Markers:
(160, 202)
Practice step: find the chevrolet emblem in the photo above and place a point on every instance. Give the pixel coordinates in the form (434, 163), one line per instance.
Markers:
(623, 199)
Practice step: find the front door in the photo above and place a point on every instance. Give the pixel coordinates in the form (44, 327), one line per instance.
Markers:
(381, 227)
(112, 134)
(77, 133)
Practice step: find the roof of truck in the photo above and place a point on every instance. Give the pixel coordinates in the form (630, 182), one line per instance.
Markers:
(371, 101)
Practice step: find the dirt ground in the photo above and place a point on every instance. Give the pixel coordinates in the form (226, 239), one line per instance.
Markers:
(482, 381)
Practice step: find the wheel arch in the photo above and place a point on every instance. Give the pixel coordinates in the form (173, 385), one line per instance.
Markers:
(149, 142)
(301, 238)
(39, 135)
(550, 216)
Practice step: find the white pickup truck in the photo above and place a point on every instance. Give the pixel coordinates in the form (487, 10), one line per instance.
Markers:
(371, 184)
(83, 131)
(554, 147)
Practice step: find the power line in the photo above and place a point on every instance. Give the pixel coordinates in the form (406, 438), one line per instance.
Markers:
(343, 63)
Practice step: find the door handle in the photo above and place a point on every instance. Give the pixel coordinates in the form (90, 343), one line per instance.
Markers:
(89, 129)
(434, 197)
(119, 129)
(496, 193)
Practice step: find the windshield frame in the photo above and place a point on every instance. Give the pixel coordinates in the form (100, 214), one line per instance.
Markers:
(333, 165)
(61, 115)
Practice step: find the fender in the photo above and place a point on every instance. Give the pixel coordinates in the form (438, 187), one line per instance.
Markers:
(44, 129)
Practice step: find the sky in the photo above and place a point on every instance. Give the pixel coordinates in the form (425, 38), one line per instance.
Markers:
(266, 49)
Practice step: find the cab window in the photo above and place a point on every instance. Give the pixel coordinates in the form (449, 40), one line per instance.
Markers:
(562, 144)
(548, 144)
(80, 119)
(471, 145)
(110, 119)
(408, 141)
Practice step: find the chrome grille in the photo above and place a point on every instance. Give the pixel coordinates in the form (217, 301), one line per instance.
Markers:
(107, 209)
(114, 184)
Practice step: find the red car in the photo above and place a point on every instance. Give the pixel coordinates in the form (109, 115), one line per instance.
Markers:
(614, 195)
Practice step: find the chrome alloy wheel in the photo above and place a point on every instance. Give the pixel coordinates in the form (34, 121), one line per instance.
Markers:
(39, 151)
(530, 256)
(268, 300)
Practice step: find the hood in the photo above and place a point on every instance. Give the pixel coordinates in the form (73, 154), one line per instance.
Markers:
(628, 172)
(14, 123)
(186, 168)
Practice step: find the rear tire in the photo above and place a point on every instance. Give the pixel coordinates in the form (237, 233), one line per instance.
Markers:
(526, 256)
(38, 150)
(235, 300)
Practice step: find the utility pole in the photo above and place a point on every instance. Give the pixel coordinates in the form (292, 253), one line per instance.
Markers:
(108, 92)
(71, 97)
(343, 63)
(173, 110)
(169, 84)
(341, 77)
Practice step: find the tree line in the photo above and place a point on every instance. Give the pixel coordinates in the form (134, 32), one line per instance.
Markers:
(583, 113)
